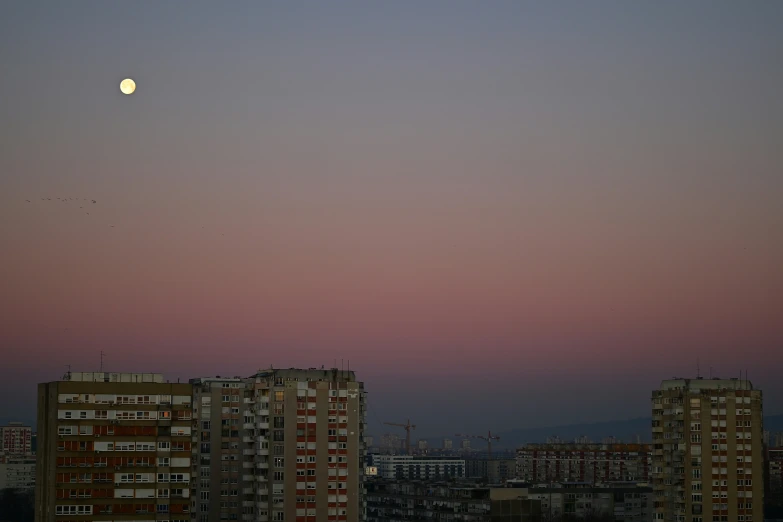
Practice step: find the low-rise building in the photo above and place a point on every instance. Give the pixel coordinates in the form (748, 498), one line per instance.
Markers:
(621, 502)
(412, 467)
(396, 500)
(17, 472)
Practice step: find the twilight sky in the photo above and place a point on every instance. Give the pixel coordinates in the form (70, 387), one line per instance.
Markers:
(504, 214)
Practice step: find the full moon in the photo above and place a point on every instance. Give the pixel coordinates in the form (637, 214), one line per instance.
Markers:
(127, 86)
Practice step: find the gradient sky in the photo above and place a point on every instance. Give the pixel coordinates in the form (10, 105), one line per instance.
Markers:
(504, 214)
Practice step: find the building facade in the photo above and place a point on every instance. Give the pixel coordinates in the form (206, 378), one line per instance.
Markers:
(113, 446)
(621, 503)
(707, 451)
(282, 445)
(17, 472)
(17, 439)
(224, 451)
(391, 443)
(589, 463)
(774, 493)
(397, 500)
(493, 471)
(412, 467)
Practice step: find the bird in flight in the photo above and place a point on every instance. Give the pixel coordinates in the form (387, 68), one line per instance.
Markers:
(94, 201)
(28, 200)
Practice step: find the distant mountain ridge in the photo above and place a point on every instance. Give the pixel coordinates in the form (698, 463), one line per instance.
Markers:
(623, 430)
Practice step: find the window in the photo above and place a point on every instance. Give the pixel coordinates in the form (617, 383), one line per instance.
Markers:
(279, 396)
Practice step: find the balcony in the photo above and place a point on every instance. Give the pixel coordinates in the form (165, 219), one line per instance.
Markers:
(248, 452)
(262, 425)
(262, 451)
(262, 465)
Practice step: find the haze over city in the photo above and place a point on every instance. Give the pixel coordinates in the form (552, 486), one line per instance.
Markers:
(476, 207)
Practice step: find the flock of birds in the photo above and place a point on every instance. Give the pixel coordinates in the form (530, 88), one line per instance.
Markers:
(84, 201)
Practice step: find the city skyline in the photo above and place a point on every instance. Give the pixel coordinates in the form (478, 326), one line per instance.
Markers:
(483, 209)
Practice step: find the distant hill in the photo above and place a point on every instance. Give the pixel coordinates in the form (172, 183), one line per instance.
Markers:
(5, 421)
(624, 430)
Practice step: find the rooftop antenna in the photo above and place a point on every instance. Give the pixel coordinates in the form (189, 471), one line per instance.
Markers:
(102, 356)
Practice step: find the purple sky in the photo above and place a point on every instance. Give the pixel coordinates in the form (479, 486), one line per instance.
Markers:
(503, 214)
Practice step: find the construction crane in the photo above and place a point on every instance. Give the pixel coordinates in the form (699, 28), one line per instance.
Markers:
(408, 427)
(488, 437)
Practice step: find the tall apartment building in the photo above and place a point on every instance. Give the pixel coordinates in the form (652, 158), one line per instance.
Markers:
(282, 445)
(541, 463)
(17, 439)
(223, 448)
(391, 443)
(113, 446)
(707, 451)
